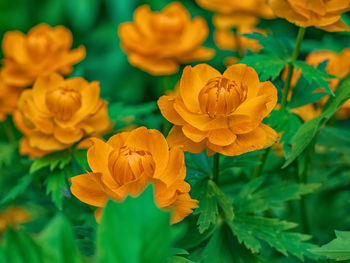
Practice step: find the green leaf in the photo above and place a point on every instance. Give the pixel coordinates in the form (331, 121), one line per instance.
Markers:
(287, 123)
(250, 229)
(6, 154)
(56, 187)
(19, 247)
(314, 75)
(19, 188)
(271, 45)
(57, 159)
(58, 243)
(210, 200)
(338, 249)
(134, 231)
(268, 66)
(309, 129)
(224, 248)
(177, 259)
(336, 138)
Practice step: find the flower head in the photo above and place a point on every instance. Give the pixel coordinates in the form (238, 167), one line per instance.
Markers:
(127, 163)
(157, 42)
(44, 48)
(220, 112)
(13, 216)
(324, 14)
(57, 113)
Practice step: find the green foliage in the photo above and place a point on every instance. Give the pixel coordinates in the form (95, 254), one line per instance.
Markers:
(56, 159)
(19, 188)
(6, 154)
(273, 58)
(314, 75)
(338, 249)
(308, 130)
(211, 200)
(336, 138)
(134, 231)
(56, 186)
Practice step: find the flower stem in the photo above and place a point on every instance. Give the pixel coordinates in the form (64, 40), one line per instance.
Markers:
(295, 56)
(216, 168)
(262, 159)
(303, 205)
(9, 132)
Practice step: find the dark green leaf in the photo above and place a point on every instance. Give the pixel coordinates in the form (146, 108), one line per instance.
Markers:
(6, 154)
(52, 160)
(19, 188)
(56, 186)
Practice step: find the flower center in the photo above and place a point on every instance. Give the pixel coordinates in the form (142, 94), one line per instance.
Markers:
(221, 96)
(63, 103)
(128, 165)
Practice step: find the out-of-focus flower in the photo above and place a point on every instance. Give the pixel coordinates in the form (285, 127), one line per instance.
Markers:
(220, 112)
(13, 216)
(8, 98)
(324, 14)
(57, 113)
(157, 42)
(44, 48)
(227, 39)
(337, 65)
(127, 163)
(235, 14)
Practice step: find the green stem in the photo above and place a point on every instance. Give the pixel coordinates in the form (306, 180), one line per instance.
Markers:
(216, 168)
(295, 56)
(262, 159)
(9, 132)
(303, 205)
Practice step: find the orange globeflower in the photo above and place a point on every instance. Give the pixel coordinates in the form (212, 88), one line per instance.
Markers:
(127, 163)
(157, 42)
(58, 113)
(8, 98)
(220, 112)
(324, 14)
(44, 48)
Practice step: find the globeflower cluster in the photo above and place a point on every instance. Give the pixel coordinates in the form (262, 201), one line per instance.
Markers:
(127, 163)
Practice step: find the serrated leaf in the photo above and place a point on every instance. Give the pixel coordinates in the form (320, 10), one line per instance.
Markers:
(210, 200)
(250, 229)
(308, 130)
(338, 249)
(314, 75)
(56, 186)
(268, 66)
(19, 188)
(57, 159)
(271, 44)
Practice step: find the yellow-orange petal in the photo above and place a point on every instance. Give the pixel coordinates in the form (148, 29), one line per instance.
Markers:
(222, 137)
(194, 134)
(166, 107)
(177, 138)
(183, 206)
(88, 189)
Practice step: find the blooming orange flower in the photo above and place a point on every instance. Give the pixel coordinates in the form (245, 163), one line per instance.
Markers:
(157, 42)
(13, 216)
(8, 98)
(220, 112)
(324, 14)
(44, 48)
(127, 163)
(58, 113)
